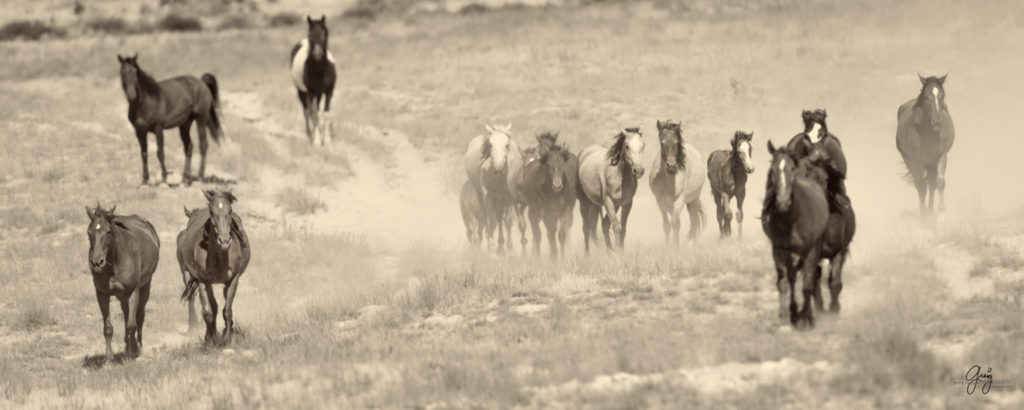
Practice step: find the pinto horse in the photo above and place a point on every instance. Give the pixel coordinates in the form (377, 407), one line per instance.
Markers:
(607, 180)
(924, 137)
(173, 103)
(676, 180)
(727, 173)
(123, 254)
(549, 188)
(795, 217)
(213, 248)
(314, 75)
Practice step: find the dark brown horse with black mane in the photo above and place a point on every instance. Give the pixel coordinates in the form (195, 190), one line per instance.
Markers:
(173, 103)
(549, 188)
(314, 75)
(727, 173)
(924, 137)
(123, 254)
(842, 225)
(607, 181)
(795, 217)
(213, 248)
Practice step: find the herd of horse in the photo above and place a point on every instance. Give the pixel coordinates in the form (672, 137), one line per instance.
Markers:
(806, 213)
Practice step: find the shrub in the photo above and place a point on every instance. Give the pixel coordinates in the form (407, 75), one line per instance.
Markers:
(235, 21)
(285, 19)
(109, 25)
(175, 22)
(29, 30)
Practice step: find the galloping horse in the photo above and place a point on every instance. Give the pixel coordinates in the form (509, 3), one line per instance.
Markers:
(123, 254)
(676, 180)
(794, 217)
(487, 160)
(549, 187)
(173, 103)
(314, 75)
(924, 136)
(608, 179)
(842, 225)
(727, 173)
(213, 248)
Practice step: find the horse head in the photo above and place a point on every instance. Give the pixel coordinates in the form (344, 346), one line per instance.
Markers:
(742, 149)
(932, 98)
(814, 124)
(317, 37)
(780, 178)
(556, 159)
(130, 76)
(101, 236)
(219, 203)
(628, 150)
(496, 147)
(670, 135)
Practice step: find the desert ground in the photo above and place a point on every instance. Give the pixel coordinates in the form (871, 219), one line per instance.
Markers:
(363, 293)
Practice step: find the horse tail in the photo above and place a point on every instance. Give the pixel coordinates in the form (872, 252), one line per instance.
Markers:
(215, 129)
(190, 290)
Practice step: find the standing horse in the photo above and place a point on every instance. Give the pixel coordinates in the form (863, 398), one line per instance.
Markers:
(123, 254)
(727, 173)
(549, 187)
(173, 103)
(314, 75)
(676, 180)
(923, 137)
(608, 179)
(842, 225)
(472, 214)
(213, 248)
(794, 217)
(488, 160)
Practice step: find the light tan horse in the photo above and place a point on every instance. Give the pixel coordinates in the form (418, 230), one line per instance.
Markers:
(608, 179)
(490, 161)
(677, 178)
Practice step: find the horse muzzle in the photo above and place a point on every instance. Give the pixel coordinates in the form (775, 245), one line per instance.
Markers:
(97, 264)
(224, 242)
(749, 169)
(557, 186)
(639, 172)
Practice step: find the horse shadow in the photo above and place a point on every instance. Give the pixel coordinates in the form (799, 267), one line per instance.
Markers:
(98, 361)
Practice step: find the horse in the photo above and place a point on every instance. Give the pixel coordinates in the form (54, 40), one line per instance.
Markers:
(727, 173)
(924, 136)
(549, 187)
(487, 160)
(795, 217)
(676, 180)
(173, 103)
(515, 181)
(842, 225)
(472, 214)
(214, 248)
(608, 179)
(124, 251)
(314, 75)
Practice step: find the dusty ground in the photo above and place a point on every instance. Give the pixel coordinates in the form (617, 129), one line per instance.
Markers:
(362, 293)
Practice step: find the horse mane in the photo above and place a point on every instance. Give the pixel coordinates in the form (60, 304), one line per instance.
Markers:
(485, 149)
(618, 149)
(147, 84)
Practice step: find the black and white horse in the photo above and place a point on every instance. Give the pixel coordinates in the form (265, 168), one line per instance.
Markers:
(312, 69)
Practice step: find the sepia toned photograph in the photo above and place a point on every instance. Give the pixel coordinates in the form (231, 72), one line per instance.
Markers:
(511, 204)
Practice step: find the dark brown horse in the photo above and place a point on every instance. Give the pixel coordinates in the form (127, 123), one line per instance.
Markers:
(549, 187)
(314, 75)
(842, 225)
(607, 181)
(794, 217)
(924, 137)
(173, 103)
(214, 248)
(123, 254)
(727, 173)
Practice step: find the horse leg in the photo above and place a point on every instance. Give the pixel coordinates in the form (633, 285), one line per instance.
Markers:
(144, 148)
(588, 221)
(564, 224)
(726, 215)
(739, 213)
(835, 281)
(108, 329)
(314, 116)
(940, 183)
(229, 299)
(921, 186)
(204, 144)
(125, 310)
(186, 143)
(535, 227)
(209, 304)
(695, 219)
(551, 225)
(666, 221)
(816, 292)
(802, 288)
(304, 99)
(782, 281)
(326, 123)
(611, 219)
(932, 180)
(521, 221)
(626, 208)
(140, 316)
(192, 322)
(160, 152)
(720, 212)
(677, 223)
(131, 324)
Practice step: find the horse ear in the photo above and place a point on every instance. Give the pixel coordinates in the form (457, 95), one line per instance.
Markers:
(135, 57)
(323, 18)
(111, 211)
(919, 77)
(508, 127)
(660, 125)
(771, 147)
(120, 59)
(489, 128)
(309, 20)
(208, 194)
(942, 80)
(90, 212)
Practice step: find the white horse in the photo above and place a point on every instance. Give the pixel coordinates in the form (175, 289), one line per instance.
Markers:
(488, 160)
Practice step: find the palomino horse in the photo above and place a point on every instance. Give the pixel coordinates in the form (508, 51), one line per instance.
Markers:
(794, 217)
(842, 225)
(472, 214)
(677, 178)
(213, 248)
(173, 103)
(727, 173)
(314, 75)
(123, 254)
(924, 136)
(608, 180)
(549, 186)
(487, 160)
